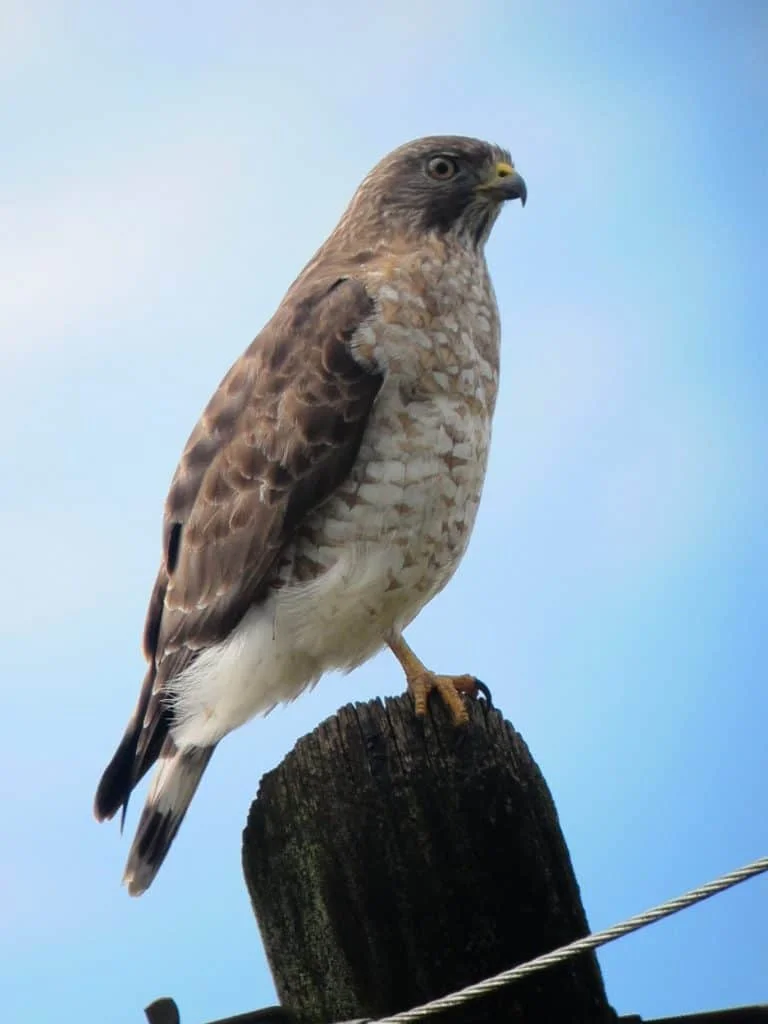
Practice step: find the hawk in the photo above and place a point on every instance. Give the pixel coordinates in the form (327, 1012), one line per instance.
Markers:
(329, 490)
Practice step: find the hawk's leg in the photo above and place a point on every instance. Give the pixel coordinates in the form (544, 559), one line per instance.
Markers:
(421, 682)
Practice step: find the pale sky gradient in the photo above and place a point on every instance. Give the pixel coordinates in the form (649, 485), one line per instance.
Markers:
(167, 169)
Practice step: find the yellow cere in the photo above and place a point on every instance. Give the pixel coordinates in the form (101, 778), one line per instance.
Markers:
(503, 170)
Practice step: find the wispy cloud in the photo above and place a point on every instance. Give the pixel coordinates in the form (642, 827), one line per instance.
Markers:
(87, 246)
(28, 31)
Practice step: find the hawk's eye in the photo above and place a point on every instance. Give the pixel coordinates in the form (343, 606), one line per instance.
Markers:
(442, 168)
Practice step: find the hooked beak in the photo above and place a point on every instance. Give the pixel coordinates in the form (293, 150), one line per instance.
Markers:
(505, 183)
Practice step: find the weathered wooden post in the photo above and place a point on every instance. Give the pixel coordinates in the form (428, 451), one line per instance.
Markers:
(391, 860)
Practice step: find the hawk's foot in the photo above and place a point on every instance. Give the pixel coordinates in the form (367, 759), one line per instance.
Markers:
(450, 689)
(421, 682)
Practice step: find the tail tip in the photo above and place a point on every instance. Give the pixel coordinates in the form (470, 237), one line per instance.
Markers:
(156, 831)
(174, 785)
(135, 882)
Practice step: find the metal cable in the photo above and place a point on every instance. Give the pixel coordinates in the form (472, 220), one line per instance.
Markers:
(573, 949)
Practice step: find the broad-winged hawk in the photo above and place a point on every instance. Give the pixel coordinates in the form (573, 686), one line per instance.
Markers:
(329, 490)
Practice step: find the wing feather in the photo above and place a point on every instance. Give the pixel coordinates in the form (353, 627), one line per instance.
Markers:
(281, 432)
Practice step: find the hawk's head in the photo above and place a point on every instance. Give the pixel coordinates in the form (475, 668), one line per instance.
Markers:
(443, 183)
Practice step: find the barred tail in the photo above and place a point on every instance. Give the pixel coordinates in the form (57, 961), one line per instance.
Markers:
(174, 784)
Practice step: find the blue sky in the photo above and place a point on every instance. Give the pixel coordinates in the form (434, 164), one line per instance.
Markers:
(167, 169)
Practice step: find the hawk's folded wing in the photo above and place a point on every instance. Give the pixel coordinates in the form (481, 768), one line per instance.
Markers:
(280, 434)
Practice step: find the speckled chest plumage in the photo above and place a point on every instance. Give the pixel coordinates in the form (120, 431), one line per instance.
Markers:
(394, 533)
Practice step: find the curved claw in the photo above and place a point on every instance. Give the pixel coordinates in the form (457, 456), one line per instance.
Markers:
(482, 688)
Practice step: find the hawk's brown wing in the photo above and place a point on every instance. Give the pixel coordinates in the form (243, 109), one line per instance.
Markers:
(279, 435)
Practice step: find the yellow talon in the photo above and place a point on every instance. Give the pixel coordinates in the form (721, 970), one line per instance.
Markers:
(421, 682)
